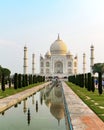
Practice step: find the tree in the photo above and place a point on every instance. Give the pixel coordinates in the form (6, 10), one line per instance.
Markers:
(6, 72)
(19, 81)
(99, 68)
(0, 73)
(34, 79)
(86, 80)
(10, 81)
(15, 81)
(30, 79)
(100, 83)
(93, 85)
(23, 81)
(3, 83)
(26, 79)
(89, 82)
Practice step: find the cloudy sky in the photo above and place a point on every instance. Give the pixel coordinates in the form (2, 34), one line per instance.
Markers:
(36, 23)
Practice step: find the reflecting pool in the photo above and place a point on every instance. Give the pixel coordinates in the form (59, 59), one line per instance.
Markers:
(41, 111)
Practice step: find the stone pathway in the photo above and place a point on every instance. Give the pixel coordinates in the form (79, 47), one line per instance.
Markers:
(82, 117)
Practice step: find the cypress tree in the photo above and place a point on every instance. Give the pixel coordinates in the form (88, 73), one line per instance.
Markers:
(86, 81)
(100, 83)
(3, 83)
(10, 82)
(89, 82)
(15, 81)
(43, 78)
(23, 80)
(82, 80)
(19, 81)
(34, 79)
(93, 85)
(30, 79)
(26, 79)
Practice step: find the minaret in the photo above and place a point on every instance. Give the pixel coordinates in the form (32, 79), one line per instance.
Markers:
(25, 66)
(84, 63)
(92, 58)
(33, 64)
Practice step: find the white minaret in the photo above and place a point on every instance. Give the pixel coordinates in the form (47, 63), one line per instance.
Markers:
(84, 63)
(92, 58)
(25, 66)
(33, 64)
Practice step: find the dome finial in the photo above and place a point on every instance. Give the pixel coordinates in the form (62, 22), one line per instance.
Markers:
(58, 38)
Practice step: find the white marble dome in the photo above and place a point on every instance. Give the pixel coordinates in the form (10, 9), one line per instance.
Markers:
(48, 53)
(58, 47)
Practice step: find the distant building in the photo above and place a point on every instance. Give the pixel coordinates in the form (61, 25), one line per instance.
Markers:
(58, 61)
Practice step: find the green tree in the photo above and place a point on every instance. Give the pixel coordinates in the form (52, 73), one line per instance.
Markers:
(30, 79)
(99, 68)
(93, 85)
(34, 79)
(6, 72)
(15, 81)
(86, 80)
(19, 81)
(3, 83)
(89, 82)
(0, 73)
(100, 83)
(26, 79)
(23, 80)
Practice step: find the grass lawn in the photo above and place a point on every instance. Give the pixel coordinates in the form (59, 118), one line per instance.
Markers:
(93, 100)
(11, 91)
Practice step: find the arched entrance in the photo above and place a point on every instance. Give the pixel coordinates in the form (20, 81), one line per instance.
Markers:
(58, 67)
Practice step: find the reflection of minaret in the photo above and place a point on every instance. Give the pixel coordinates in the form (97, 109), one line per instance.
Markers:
(25, 67)
(33, 64)
(3, 113)
(28, 116)
(36, 106)
(84, 63)
(32, 99)
(25, 106)
(92, 58)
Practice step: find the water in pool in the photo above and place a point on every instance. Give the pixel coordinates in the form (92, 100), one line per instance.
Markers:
(42, 111)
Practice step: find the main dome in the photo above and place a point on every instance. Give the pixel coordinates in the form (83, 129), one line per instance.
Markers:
(58, 47)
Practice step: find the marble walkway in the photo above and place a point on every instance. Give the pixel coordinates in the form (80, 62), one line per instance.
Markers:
(82, 117)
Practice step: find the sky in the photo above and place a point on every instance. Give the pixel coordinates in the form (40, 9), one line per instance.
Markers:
(36, 24)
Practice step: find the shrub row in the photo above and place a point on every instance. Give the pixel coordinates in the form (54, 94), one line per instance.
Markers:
(87, 81)
(20, 80)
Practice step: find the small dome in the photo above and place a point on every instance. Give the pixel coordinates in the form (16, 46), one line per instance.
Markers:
(57, 110)
(48, 53)
(58, 47)
(68, 53)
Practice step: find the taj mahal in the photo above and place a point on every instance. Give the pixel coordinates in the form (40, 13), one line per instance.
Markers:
(58, 61)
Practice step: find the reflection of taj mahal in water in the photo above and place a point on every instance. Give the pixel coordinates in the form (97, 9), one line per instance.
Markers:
(54, 101)
(58, 61)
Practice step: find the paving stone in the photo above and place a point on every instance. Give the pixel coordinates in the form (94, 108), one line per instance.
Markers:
(82, 117)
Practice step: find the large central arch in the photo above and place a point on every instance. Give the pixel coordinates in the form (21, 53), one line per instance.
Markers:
(58, 67)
